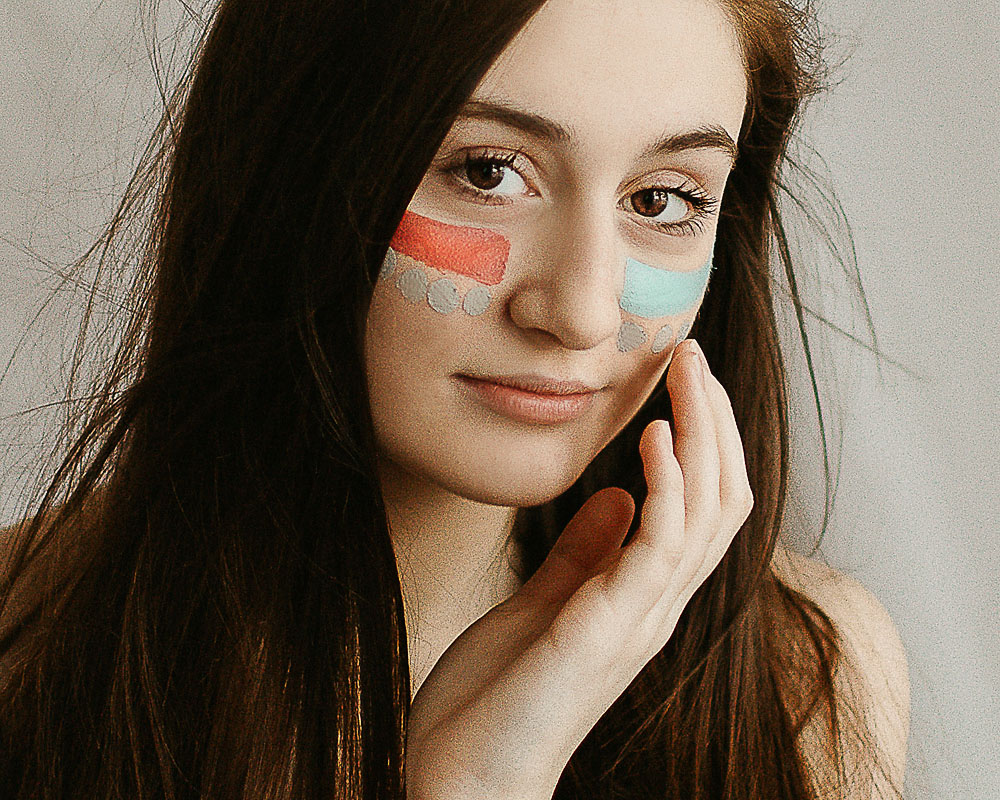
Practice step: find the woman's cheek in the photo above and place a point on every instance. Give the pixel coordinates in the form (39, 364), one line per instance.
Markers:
(422, 250)
(451, 268)
(669, 299)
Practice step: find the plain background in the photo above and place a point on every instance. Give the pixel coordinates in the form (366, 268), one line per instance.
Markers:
(907, 136)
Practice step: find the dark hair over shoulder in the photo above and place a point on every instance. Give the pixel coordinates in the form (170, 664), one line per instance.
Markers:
(233, 627)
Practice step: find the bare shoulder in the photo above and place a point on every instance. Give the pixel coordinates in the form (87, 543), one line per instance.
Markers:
(874, 673)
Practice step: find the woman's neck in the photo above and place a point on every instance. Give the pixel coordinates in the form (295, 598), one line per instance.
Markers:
(456, 559)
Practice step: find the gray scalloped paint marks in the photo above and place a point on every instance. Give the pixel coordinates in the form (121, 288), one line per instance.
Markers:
(442, 296)
(664, 336)
(476, 300)
(388, 264)
(630, 336)
(413, 285)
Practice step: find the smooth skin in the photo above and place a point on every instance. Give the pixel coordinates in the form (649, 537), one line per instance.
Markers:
(508, 703)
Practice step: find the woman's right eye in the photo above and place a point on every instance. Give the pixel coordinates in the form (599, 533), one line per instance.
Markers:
(489, 178)
(488, 173)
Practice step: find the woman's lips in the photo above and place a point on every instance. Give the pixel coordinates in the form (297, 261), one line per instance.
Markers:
(530, 406)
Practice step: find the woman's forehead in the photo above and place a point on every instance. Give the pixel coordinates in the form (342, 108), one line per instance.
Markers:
(623, 71)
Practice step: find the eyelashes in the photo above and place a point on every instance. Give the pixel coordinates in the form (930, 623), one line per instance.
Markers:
(458, 172)
(701, 205)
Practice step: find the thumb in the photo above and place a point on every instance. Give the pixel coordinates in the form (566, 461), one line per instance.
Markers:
(594, 533)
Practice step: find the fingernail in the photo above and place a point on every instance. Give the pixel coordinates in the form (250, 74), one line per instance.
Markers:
(702, 363)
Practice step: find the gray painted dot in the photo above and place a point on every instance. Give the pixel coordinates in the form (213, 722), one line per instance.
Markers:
(413, 285)
(442, 296)
(630, 336)
(683, 333)
(664, 336)
(388, 264)
(476, 300)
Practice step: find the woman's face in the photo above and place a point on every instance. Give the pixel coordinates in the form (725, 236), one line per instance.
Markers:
(564, 232)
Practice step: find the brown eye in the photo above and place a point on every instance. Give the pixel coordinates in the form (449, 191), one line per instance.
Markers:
(491, 178)
(654, 201)
(484, 173)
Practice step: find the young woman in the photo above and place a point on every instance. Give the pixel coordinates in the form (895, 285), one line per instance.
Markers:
(406, 450)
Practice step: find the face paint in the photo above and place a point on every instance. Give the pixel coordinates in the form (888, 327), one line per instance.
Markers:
(442, 296)
(651, 292)
(664, 336)
(478, 253)
(476, 300)
(413, 285)
(630, 336)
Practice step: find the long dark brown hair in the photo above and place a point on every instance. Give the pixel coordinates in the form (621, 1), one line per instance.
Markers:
(204, 603)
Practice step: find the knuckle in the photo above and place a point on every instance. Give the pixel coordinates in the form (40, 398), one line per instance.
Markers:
(710, 516)
(654, 565)
(663, 557)
(674, 491)
(571, 636)
(671, 555)
(671, 469)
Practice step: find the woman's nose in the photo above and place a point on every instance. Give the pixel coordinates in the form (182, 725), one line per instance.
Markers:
(571, 282)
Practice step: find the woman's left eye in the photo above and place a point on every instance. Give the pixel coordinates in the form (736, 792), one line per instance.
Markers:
(679, 210)
(657, 202)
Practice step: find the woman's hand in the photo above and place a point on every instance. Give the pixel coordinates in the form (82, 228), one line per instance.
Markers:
(509, 702)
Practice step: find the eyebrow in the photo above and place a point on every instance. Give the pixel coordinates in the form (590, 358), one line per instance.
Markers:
(708, 136)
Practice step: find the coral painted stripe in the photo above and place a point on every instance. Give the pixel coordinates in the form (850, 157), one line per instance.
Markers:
(476, 252)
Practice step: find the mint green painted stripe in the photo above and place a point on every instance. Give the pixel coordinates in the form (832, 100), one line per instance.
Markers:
(652, 292)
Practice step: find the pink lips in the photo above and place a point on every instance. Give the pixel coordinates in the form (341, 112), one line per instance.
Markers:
(532, 399)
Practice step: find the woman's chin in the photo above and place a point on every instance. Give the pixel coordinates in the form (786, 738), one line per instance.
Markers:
(513, 496)
(510, 482)
(499, 470)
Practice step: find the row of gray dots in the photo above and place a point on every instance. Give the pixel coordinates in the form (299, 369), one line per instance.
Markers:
(441, 294)
(631, 336)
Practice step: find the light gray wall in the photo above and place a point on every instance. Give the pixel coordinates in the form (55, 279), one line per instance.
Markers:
(907, 139)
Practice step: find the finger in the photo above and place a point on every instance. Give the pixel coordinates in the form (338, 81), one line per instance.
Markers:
(594, 532)
(734, 485)
(644, 567)
(696, 446)
(735, 495)
(697, 450)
